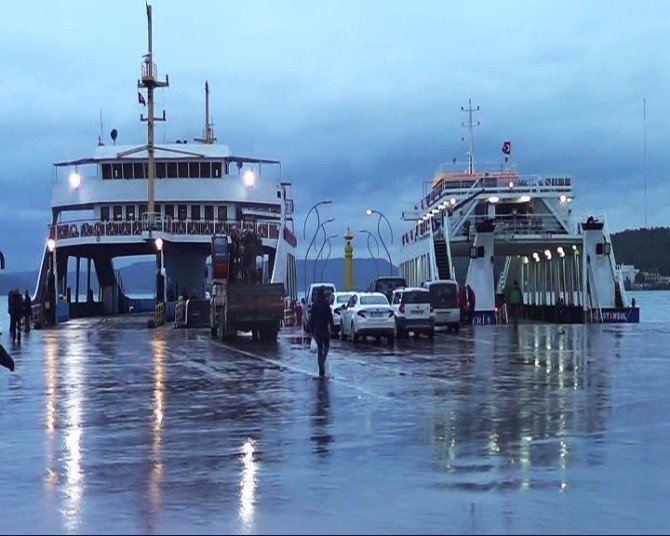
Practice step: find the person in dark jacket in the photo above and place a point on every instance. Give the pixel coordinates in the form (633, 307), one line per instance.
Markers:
(27, 311)
(15, 306)
(471, 304)
(322, 325)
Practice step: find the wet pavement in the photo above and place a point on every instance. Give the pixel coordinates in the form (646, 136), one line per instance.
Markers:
(110, 427)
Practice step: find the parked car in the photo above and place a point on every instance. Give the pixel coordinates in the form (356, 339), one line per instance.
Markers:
(368, 313)
(311, 296)
(387, 284)
(444, 300)
(413, 311)
(337, 302)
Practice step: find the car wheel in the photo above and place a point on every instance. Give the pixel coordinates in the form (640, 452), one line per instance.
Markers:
(390, 338)
(399, 332)
(430, 333)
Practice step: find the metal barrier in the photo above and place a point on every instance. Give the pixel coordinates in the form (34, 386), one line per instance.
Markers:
(159, 314)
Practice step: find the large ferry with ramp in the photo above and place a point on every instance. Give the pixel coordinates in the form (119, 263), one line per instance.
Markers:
(491, 228)
(165, 200)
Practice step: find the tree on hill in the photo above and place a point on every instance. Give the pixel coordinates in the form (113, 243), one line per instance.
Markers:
(647, 249)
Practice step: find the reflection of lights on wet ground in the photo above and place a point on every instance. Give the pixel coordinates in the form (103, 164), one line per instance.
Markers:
(157, 428)
(74, 476)
(248, 484)
(51, 477)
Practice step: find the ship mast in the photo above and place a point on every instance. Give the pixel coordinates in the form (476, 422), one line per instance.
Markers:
(209, 127)
(150, 83)
(471, 126)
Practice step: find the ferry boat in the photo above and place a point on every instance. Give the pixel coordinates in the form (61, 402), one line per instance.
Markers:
(165, 200)
(498, 227)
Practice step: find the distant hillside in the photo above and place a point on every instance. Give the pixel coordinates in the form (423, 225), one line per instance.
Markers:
(139, 277)
(647, 249)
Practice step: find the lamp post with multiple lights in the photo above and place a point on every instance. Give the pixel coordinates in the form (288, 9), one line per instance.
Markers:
(370, 235)
(370, 212)
(315, 208)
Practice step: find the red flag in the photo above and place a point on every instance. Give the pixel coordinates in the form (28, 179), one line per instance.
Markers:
(140, 99)
(507, 147)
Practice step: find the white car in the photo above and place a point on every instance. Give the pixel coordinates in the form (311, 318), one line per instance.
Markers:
(413, 311)
(368, 313)
(338, 300)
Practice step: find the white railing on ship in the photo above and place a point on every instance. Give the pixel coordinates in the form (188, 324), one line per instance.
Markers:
(506, 225)
(98, 228)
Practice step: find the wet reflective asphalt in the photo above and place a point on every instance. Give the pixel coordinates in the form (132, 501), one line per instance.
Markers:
(110, 427)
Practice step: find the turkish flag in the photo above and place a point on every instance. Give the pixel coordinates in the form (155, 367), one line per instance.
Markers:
(140, 99)
(507, 147)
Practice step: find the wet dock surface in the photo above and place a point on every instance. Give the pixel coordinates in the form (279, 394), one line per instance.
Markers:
(110, 427)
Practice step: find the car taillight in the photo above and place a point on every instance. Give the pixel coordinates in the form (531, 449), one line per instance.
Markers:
(402, 307)
(361, 313)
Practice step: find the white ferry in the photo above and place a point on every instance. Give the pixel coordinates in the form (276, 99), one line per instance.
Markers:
(488, 229)
(165, 200)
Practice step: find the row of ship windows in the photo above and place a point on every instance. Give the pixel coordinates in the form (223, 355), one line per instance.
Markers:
(182, 212)
(164, 170)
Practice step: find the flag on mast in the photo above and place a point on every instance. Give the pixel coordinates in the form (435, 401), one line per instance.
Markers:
(140, 99)
(507, 147)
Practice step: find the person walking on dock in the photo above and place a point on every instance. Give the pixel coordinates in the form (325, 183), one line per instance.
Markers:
(515, 302)
(471, 304)
(15, 306)
(27, 311)
(322, 326)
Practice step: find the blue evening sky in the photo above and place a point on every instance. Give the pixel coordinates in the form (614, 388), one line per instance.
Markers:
(360, 100)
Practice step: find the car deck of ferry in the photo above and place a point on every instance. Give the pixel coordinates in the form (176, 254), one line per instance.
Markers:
(111, 427)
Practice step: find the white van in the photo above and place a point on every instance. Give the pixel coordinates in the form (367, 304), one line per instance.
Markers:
(444, 299)
(329, 288)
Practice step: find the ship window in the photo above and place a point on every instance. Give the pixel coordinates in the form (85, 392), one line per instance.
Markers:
(106, 171)
(130, 212)
(116, 171)
(216, 170)
(209, 212)
(222, 213)
(157, 209)
(160, 170)
(104, 213)
(194, 170)
(195, 212)
(181, 212)
(183, 170)
(127, 171)
(172, 170)
(169, 211)
(205, 170)
(118, 216)
(138, 170)
(142, 211)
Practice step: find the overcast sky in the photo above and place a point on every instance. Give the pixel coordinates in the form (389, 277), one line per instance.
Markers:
(359, 100)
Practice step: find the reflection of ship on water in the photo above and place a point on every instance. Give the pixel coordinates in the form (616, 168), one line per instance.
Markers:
(519, 418)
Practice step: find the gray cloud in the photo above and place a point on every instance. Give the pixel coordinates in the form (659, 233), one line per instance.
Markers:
(360, 102)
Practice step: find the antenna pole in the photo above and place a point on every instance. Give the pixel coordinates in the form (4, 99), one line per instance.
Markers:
(209, 127)
(644, 137)
(471, 126)
(150, 82)
(100, 137)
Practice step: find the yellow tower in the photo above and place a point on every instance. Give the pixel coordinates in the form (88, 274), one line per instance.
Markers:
(348, 261)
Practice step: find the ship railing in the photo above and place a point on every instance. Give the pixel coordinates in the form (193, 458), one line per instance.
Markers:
(507, 226)
(98, 228)
(502, 182)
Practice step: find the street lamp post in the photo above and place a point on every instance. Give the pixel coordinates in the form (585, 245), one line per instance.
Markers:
(330, 249)
(160, 278)
(370, 212)
(370, 235)
(315, 208)
(316, 260)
